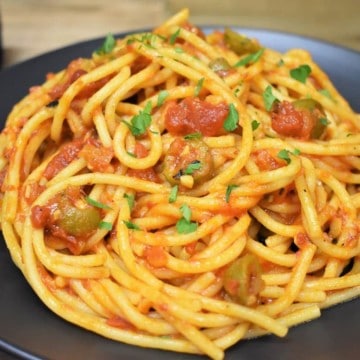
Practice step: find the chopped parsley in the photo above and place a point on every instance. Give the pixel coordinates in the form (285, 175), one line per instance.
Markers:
(174, 36)
(229, 190)
(324, 121)
(97, 204)
(326, 93)
(199, 86)
(236, 92)
(184, 224)
(140, 122)
(163, 94)
(131, 154)
(254, 125)
(173, 194)
(232, 119)
(105, 225)
(269, 98)
(107, 46)
(195, 165)
(301, 73)
(284, 154)
(250, 59)
(130, 199)
(195, 135)
(179, 50)
(130, 225)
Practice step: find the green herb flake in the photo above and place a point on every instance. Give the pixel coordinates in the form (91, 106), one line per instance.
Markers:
(324, 121)
(301, 73)
(232, 119)
(236, 92)
(130, 225)
(97, 204)
(174, 36)
(186, 212)
(185, 227)
(250, 59)
(199, 86)
(284, 154)
(105, 225)
(229, 190)
(281, 63)
(130, 200)
(195, 165)
(140, 122)
(269, 98)
(326, 93)
(173, 194)
(184, 224)
(254, 125)
(107, 46)
(179, 50)
(162, 96)
(128, 152)
(195, 135)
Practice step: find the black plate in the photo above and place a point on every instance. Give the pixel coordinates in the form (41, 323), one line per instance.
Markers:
(30, 331)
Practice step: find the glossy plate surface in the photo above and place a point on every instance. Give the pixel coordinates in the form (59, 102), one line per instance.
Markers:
(30, 331)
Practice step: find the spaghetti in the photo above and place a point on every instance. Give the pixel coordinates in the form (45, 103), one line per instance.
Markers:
(184, 191)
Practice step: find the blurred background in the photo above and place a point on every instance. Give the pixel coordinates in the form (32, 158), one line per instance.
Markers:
(31, 27)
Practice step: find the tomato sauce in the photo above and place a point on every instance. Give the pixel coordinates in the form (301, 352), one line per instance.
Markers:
(195, 115)
(45, 217)
(148, 174)
(98, 157)
(73, 72)
(155, 256)
(291, 122)
(67, 154)
(265, 161)
(121, 323)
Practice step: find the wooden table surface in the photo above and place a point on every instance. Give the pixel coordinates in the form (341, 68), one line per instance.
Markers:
(31, 27)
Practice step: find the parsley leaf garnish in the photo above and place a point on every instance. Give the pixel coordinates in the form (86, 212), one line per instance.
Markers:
(254, 125)
(107, 46)
(324, 121)
(301, 73)
(140, 122)
(195, 135)
(325, 92)
(284, 154)
(195, 165)
(229, 190)
(174, 36)
(105, 225)
(173, 194)
(130, 199)
(97, 204)
(269, 98)
(163, 94)
(184, 224)
(250, 59)
(199, 86)
(130, 225)
(232, 119)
